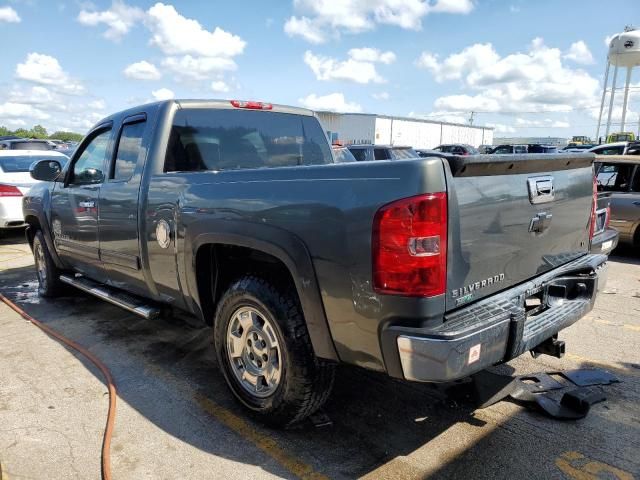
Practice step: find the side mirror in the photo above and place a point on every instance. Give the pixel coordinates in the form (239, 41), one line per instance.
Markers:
(45, 170)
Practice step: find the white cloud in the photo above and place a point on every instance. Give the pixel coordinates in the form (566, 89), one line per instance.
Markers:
(372, 55)
(163, 94)
(533, 81)
(21, 111)
(334, 102)
(358, 68)
(317, 20)
(46, 70)
(178, 35)
(381, 96)
(9, 15)
(219, 86)
(579, 53)
(98, 104)
(193, 53)
(142, 70)
(501, 127)
(305, 28)
(197, 68)
(119, 19)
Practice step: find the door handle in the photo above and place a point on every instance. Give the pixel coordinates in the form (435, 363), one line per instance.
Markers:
(89, 204)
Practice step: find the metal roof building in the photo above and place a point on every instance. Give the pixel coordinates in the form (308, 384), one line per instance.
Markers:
(351, 128)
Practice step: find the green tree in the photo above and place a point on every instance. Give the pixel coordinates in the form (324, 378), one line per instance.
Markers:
(5, 131)
(66, 136)
(38, 131)
(21, 132)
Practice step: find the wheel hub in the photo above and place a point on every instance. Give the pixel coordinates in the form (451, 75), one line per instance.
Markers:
(254, 352)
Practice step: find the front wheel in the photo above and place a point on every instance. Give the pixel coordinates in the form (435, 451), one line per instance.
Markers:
(265, 353)
(49, 284)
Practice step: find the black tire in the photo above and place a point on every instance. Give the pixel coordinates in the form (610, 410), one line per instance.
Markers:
(305, 380)
(49, 284)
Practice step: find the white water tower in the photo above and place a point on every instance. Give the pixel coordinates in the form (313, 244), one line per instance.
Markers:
(624, 51)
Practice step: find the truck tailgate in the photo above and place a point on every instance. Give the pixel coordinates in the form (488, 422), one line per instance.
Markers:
(513, 217)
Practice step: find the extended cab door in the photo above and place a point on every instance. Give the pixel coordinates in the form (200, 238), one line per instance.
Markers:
(119, 240)
(74, 205)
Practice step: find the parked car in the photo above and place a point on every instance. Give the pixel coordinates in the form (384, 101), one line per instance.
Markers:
(509, 149)
(537, 148)
(423, 153)
(341, 154)
(381, 152)
(578, 146)
(457, 149)
(618, 180)
(15, 181)
(483, 149)
(236, 213)
(617, 148)
(25, 144)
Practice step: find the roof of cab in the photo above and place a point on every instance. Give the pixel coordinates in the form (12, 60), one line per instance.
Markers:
(201, 103)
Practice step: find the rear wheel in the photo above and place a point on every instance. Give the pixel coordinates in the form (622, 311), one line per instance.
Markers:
(49, 284)
(265, 353)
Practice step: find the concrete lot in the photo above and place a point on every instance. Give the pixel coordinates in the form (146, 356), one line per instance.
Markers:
(176, 419)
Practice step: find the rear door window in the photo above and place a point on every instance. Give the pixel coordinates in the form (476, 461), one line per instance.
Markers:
(381, 154)
(224, 139)
(359, 153)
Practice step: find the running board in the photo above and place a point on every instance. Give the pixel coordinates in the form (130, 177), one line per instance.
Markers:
(124, 300)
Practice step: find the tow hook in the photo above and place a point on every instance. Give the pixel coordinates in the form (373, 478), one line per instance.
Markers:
(551, 346)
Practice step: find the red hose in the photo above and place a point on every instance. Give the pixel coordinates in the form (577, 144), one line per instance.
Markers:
(106, 440)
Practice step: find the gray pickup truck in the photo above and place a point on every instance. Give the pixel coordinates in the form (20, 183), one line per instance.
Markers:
(429, 269)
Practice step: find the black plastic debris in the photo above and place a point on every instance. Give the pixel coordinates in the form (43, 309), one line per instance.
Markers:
(554, 393)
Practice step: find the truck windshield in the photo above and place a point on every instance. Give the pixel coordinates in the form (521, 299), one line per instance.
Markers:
(224, 139)
(22, 163)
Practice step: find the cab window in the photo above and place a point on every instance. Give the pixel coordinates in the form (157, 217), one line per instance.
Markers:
(381, 154)
(88, 167)
(129, 147)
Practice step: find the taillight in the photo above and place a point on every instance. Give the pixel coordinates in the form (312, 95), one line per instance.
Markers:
(251, 105)
(9, 191)
(410, 246)
(594, 207)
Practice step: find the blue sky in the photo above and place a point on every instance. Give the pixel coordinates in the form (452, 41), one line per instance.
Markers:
(525, 67)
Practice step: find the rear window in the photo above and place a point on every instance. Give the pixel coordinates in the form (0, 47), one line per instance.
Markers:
(29, 146)
(403, 153)
(22, 163)
(207, 139)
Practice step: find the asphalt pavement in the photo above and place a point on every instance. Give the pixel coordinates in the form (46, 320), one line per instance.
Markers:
(176, 419)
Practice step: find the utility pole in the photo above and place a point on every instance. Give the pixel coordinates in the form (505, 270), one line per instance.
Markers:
(471, 117)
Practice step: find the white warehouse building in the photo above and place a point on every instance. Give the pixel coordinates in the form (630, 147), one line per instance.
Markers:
(350, 128)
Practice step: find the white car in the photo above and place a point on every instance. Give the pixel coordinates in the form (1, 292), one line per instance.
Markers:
(15, 180)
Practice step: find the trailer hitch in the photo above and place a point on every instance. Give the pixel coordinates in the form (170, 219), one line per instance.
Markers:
(551, 346)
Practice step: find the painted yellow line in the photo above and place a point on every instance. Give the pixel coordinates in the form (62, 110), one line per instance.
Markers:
(242, 427)
(575, 465)
(609, 366)
(264, 442)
